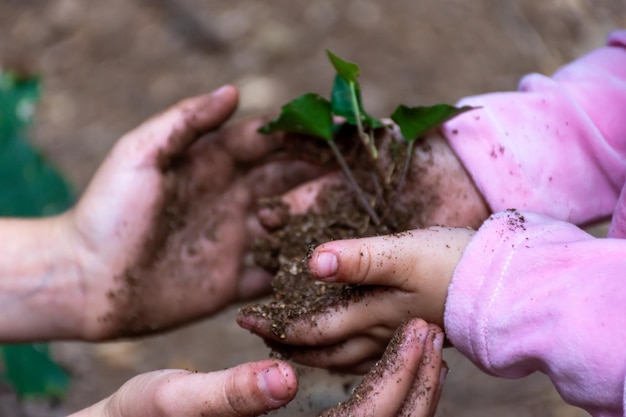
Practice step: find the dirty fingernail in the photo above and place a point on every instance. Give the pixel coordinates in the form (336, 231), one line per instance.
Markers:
(274, 381)
(326, 266)
(438, 341)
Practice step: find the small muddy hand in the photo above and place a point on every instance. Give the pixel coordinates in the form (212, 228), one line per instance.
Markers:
(406, 382)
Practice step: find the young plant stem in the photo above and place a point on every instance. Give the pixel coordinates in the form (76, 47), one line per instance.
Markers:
(407, 165)
(353, 184)
(366, 139)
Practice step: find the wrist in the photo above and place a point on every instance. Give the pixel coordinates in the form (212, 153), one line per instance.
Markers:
(40, 291)
(443, 247)
(453, 197)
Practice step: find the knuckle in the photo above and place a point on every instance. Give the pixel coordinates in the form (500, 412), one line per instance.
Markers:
(363, 263)
(237, 396)
(164, 397)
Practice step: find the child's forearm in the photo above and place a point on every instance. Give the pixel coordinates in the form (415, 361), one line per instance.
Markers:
(554, 143)
(39, 281)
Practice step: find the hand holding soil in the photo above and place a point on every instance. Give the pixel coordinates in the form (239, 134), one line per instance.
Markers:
(163, 229)
(392, 278)
(395, 176)
(346, 325)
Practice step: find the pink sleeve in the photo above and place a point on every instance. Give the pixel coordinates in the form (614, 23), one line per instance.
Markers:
(536, 294)
(558, 145)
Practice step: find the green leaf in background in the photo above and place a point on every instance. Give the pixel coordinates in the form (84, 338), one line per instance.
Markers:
(342, 103)
(415, 121)
(18, 97)
(309, 114)
(32, 373)
(29, 187)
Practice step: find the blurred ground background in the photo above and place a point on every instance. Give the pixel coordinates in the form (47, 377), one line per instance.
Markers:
(108, 65)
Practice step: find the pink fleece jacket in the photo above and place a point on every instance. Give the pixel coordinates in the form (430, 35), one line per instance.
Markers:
(534, 292)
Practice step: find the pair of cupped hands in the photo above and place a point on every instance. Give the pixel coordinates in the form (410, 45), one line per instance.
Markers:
(162, 234)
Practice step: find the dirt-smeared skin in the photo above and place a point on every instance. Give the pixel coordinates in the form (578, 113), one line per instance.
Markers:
(404, 382)
(435, 181)
(191, 261)
(435, 171)
(183, 227)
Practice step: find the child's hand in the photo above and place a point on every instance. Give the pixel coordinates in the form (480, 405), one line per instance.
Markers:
(407, 381)
(409, 274)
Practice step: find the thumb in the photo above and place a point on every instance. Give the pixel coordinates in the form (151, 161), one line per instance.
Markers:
(392, 260)
(169, 133)
(246, 390)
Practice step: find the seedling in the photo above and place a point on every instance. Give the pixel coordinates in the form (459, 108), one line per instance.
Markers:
(346, 101)
(312, 114)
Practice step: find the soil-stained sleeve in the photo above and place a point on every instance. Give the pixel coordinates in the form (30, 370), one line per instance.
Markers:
(535, 294)
(557, 145)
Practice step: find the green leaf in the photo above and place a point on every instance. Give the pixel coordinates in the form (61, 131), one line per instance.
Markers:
(342, 103)
(32, 373)
(29, 187)
(309, 114)
(18, 97)
(349, 71)
(415, 121)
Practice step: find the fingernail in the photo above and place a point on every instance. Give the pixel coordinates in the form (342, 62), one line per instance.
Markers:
(274, 381)
(326, 266)
(443, 373)
(220, 91)
(438, 342)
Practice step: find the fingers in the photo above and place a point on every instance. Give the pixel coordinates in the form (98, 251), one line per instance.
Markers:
(404, 381)
(168, 134)
(246, 390)
(376, 314)
(355, 356)
(403, 276)
(344, 338)
(244, 142)
(390, 260)
(252, 283)
(278, 177)
(425, 392)
(305, 197)
(298, 200)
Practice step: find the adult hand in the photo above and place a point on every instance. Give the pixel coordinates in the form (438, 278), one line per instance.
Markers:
(161, 234)
(407, 381)
(437, 186)
(441, 188)
(246, 390)
(409, 274)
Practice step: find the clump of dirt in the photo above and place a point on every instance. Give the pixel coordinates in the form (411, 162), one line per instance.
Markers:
(285, 251)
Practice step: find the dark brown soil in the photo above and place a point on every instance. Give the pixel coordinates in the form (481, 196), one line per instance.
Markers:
(338, 215)
(295, 293)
